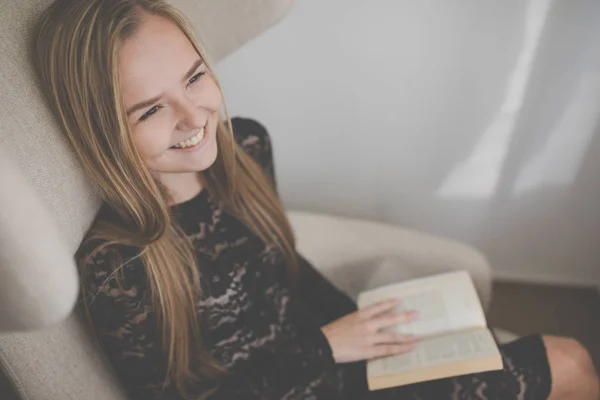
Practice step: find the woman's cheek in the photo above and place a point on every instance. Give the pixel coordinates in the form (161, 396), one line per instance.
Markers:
(214, 94)
(151, 142)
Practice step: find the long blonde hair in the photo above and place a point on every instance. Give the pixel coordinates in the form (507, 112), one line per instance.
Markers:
(75, 52)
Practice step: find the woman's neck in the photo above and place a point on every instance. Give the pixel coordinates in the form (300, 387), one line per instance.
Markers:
(182, 187)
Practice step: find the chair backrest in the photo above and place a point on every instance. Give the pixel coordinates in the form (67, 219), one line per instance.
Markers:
(59, 362)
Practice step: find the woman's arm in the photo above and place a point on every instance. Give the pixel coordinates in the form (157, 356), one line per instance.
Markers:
(321, 298)
(118, 308)
(126, 328)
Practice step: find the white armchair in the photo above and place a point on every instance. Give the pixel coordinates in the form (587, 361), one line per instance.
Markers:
(358, 255)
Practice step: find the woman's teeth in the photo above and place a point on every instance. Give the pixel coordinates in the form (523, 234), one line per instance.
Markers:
(194, 140)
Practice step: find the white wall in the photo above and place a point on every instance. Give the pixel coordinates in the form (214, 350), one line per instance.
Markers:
(475, 119)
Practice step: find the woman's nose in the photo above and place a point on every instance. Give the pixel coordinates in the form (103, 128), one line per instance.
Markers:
(191, 116)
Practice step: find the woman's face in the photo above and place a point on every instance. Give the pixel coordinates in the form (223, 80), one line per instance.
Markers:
(172, 101)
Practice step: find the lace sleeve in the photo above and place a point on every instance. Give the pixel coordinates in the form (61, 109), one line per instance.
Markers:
(323, 300)
(117, 301)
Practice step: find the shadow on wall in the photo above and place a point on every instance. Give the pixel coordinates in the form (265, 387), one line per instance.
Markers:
(536, 148)
(530, 176)
(474, 120)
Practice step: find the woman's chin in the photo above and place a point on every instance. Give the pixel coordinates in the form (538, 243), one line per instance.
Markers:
(206, 158)
(197, 159)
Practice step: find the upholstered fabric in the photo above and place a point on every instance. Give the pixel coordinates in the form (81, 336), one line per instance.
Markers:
(226, 25)
(55, 363)
(31, 135)
(31, 246)
(358, 255)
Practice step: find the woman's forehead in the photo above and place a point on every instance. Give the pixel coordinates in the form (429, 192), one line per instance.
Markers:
(155, 57)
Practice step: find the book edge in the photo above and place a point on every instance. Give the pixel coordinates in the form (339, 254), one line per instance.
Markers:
(491, 363)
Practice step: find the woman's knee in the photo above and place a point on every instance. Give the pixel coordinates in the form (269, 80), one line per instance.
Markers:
(571, 367)
(572, 353)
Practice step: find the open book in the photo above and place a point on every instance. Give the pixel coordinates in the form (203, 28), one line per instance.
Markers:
(454, 336)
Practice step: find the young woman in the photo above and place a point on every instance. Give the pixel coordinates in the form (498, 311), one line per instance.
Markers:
(190, 276)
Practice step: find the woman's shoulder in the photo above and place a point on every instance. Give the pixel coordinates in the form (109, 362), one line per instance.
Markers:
(252, 136)
(102, 256)
(254, 139)
(106, 267)
(245, 127)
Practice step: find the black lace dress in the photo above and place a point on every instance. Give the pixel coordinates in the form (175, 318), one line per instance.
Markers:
(262, 329)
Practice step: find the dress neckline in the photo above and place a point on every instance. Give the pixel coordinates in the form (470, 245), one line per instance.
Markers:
(193, 203)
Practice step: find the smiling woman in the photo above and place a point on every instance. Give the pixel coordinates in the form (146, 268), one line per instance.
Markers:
(133, 96)
(190, 276)
(172, 104)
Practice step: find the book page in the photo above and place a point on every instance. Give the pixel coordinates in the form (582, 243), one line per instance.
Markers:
(453, 348)
(446, 303)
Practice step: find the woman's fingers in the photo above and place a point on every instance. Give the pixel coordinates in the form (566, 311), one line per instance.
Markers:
(387, 321)
(385, 350)
(379, 308)
(392, 338)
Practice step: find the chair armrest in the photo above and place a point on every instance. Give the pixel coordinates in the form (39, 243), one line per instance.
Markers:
(38, 278)
(357, 255)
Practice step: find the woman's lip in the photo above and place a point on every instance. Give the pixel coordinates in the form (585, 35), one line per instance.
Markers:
(204, 127)
(194, 147)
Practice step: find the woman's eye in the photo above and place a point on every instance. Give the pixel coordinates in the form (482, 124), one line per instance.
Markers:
(150, 112)
(196, 77)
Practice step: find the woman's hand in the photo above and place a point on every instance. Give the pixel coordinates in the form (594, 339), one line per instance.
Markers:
(358, 336)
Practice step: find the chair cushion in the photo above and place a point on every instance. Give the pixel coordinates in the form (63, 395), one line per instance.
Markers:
(358, 255)
(37, 288)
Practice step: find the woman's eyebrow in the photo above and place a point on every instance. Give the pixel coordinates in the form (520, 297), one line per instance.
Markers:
(191, 71)
(149, 102)
(143, 104)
